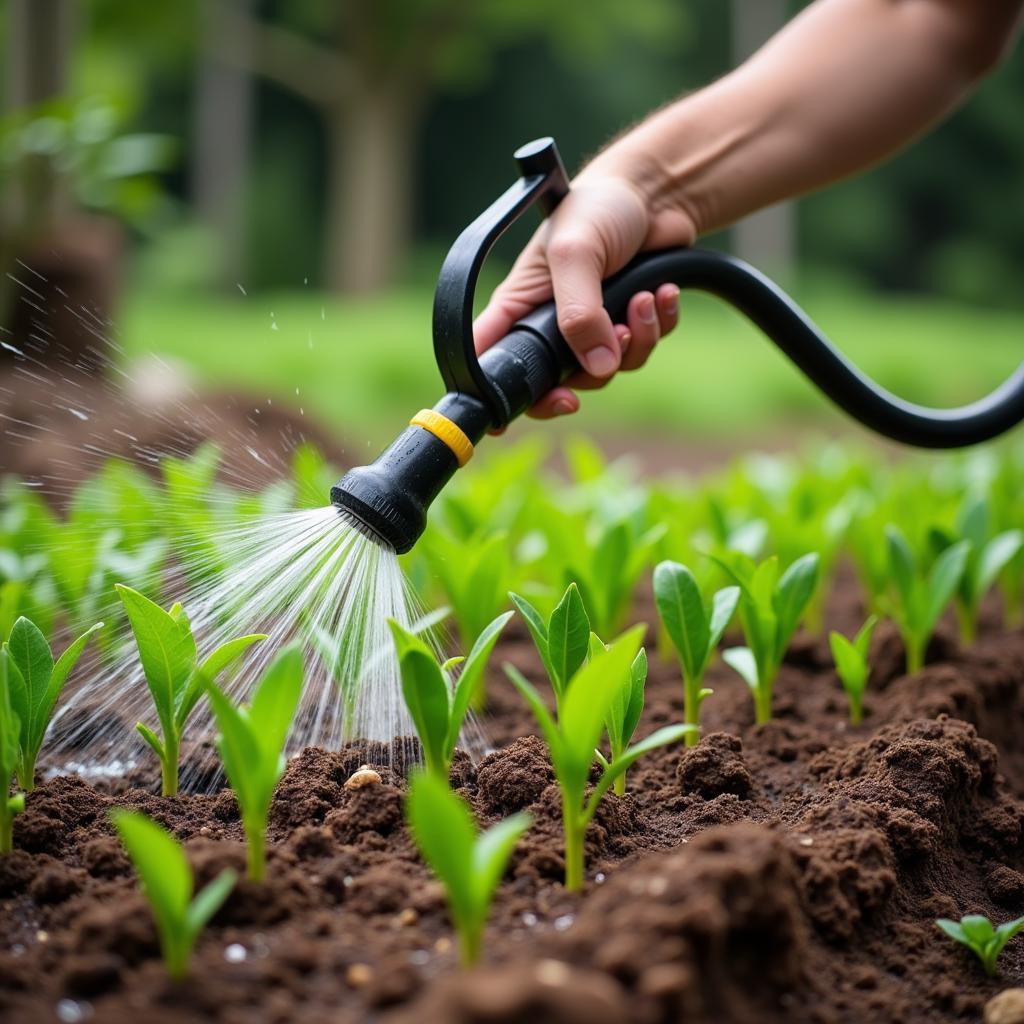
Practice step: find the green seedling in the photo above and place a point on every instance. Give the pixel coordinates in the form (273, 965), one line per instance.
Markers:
(173, 673)
(469, 864)
(987, 557)
(437, 708)
(851, 660)
(770, 610)
(35, 684)
(573, 738)
(625, 710)
(251, 744)
(695, 627)
(920, 597)
(977, 933)
(169, 884)
(474, 577)
(10, 730)
(563, 641)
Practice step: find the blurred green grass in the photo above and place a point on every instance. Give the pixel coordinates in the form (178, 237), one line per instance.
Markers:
(363, 366)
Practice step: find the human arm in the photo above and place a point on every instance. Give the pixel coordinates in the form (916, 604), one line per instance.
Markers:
(840, 88)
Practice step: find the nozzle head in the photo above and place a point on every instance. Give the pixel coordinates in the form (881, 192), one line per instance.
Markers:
(390, 497)
(392, 516)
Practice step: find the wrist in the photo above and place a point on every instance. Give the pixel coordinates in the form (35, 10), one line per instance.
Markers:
(643, 160)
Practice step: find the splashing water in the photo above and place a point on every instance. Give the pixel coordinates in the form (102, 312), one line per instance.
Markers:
(314, 577)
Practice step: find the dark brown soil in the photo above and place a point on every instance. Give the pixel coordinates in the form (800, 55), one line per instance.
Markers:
(784, 873)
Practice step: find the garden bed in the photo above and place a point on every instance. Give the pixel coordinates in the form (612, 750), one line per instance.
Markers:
(785, 872)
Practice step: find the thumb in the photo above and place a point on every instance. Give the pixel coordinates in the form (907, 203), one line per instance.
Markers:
(491, 325)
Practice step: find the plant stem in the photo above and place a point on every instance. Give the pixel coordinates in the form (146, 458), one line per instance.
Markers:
(6, 829)
(763, 704)
(968, 620)
(691, 708)
(856, 710)
(915, 653)
(470, 937)
(256, 851)
(573, 845)
(26, 772)
(169, 766)
(619, 785)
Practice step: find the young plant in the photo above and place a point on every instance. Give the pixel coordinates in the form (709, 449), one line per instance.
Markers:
(168, 884)
(573, 738)
(851, 660)
(562, 642)
(469, 864)
(437, 708)
(770, 610)
(920, 597)
(694, 626)
(977, 933)
(474, 576)
(35, 684)
(9, 735)
(251, 743)
(987, 557)
(169, 658)
(625, 710)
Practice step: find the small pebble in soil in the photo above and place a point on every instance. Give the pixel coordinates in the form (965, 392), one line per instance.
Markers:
(359, 975)
(70, 1012)
(551, 972)
(599, 877)
(42, 936)
(366, 776)
(563, 922)
(419, 957)
(530, 920)
(235, 953)
(807, 841)
(407, 917)
(1006, 1008)
(443, 945)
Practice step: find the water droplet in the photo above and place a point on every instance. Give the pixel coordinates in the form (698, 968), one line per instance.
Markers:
(235, 953)
(78, 412)
(563, 922)
(71, 1012)
(599, 877)
(241, 289)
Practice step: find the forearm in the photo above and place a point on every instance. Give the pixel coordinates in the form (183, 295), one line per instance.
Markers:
(843, 86)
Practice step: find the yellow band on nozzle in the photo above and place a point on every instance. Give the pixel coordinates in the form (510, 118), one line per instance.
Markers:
(445, 430)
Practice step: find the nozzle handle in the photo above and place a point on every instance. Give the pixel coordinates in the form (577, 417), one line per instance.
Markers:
(543, 182)
(770, 309)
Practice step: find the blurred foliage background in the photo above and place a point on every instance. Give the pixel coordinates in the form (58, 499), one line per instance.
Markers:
(285, 175)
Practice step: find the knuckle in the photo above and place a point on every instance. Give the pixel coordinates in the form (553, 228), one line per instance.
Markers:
(565, 248)
(577, 321)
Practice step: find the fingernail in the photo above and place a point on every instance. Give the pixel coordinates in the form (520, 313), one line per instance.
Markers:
(624, 339)
(563, 407)
(672, 302)
(647, 309)
(601, 361)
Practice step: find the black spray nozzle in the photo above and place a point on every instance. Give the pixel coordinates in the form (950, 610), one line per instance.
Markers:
(391, 496)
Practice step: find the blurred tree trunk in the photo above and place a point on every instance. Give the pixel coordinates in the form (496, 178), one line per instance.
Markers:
(370, 113)
(767, 238)
(223, 131)
(369, 213)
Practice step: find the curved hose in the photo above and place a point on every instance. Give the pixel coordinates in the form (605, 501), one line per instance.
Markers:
(785, 323)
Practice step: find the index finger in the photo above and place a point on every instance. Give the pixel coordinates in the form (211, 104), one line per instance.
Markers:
(577, 267)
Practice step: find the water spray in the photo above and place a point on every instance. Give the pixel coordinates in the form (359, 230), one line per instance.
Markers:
(390, 497)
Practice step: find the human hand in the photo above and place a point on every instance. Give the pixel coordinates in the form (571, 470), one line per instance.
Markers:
(602, 223)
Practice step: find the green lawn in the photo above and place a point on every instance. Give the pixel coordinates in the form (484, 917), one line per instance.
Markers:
(364, 366)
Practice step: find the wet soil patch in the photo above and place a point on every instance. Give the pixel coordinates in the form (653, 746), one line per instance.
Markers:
(785, 873)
